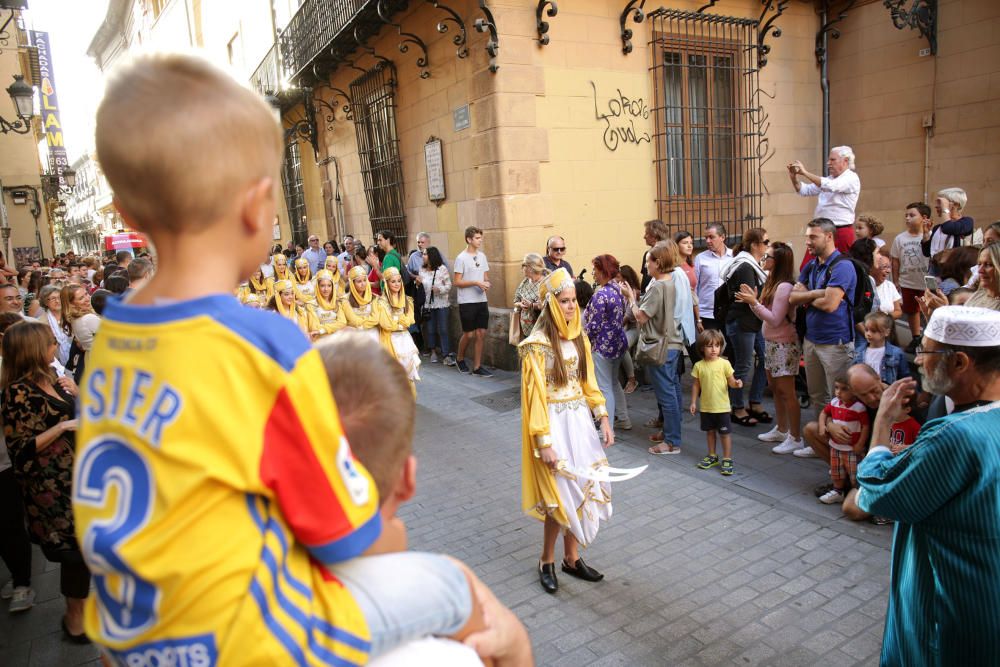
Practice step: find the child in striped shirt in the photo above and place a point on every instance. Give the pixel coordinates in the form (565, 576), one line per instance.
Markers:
(848, 412)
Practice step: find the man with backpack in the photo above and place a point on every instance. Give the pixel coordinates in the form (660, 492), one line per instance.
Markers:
(827, 289)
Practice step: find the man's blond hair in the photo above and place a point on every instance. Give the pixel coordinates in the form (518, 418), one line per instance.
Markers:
(375, 403)
(179, 139)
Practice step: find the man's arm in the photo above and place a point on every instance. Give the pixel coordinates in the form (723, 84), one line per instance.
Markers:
(829, 299)
(895, 271)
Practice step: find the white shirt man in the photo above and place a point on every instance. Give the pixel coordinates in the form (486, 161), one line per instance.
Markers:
(837, 194)
(346, 257)
(707, 266)
(315, 255)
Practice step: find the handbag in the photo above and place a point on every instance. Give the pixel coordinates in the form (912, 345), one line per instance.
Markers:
(514, 331)
(425, 307)
(651, 348)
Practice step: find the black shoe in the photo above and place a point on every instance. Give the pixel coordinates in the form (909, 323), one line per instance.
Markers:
(81, 638)
(822, 489)
(547, 577)
(581, 570)
(462, 366)
(482, 372)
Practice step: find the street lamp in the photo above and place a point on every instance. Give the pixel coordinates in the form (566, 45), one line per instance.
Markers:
(23, 97)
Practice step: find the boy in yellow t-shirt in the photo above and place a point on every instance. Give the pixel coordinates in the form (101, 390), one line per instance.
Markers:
(712, 378)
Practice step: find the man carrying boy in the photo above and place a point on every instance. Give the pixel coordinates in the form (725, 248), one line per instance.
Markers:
(909, 265)
(217, 502)
(472, 278)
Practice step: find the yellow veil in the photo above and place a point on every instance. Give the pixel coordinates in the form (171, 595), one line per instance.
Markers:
(320, 301)
(279, 287)
(398, 301)
(552, 285)
(274, 265)
(332, 265)
(299, 263)
(357, 272)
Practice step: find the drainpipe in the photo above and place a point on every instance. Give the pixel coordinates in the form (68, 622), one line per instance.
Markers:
(824, 83)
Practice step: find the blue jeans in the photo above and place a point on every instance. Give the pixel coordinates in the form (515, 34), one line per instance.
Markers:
(745, 345)
(397, 611)
(437, 330)
(667, 387)
(607, 381)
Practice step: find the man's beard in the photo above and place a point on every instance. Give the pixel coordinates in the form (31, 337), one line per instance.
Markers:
(937, 382)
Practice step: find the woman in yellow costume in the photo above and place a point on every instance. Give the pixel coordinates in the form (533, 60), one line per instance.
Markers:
(362, 310)
(559, 402)
(329, 307)
(258, 285)
(332, 265)
(280, 265)
(283, 302)
(305, 288)
(395, 317)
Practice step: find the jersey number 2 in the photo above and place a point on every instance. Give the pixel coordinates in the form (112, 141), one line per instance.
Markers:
(128, 603)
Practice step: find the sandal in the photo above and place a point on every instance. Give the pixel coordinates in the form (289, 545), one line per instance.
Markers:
(656, 437)
(660, 451)
(631, 385)
(745, 420)
(760, 415)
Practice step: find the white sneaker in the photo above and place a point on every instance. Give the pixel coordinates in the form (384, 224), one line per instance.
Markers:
(7, 590)
(22, 599)
(774, 435)
(832, 497)
(788, 446)
(805, 453)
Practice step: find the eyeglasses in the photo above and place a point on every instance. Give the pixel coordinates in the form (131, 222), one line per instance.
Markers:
(922, 350)
(558, 249)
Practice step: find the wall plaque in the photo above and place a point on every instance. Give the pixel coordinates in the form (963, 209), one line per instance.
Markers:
(461, 118)
(434, 161)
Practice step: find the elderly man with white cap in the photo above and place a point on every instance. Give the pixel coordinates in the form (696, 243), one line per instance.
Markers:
(944, 492)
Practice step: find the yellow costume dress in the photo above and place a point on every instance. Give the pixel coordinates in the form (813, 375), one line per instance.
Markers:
(263, 289)
(332, 265)
(561, 418)
(330, 314)
(395, 317)
(305, 287)
(362, 309)
(301, 315)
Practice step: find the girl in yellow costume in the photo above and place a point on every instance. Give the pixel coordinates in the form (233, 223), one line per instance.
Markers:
(329, 307)
(258, 285)
(280, 265)
(558, 395)
(362, 310)
(283, 302)
(305, 288)
(332, 265)
(395, 317)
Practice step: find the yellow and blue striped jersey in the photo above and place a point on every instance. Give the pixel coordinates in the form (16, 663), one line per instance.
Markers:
(212, 483)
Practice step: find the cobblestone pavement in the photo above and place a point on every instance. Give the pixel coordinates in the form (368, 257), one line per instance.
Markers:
(699, 569)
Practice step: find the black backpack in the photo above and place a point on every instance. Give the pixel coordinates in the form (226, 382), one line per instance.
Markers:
(724, 297)
(860, 303)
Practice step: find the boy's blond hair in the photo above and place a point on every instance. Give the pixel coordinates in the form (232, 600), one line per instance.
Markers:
(179, 139)
(375, 404)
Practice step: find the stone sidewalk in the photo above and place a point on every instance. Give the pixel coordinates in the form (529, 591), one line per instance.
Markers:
(700, 569)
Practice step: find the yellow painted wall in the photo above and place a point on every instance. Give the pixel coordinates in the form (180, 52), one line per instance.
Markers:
(883, 89)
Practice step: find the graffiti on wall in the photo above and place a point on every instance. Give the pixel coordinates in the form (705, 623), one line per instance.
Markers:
(620, 119)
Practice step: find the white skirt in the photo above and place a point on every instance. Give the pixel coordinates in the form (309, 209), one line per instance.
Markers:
(406, 353)
(576, 441)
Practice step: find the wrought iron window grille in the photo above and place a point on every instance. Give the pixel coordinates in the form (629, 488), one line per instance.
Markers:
(710, 126)
(374, 107)
(294, 190)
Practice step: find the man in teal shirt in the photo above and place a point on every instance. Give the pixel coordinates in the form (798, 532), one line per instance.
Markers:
(944, 493)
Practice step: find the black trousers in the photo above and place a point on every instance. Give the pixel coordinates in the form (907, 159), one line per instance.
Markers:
(15, 549)
(74, 576)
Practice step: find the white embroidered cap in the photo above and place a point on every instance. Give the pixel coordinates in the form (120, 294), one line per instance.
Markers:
(964, 326)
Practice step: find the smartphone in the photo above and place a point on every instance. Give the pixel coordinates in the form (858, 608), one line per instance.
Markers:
(931, 282)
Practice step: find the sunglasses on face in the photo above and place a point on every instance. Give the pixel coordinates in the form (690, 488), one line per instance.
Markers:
(558, 249)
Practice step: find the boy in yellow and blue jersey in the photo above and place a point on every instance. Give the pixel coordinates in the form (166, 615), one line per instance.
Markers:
(217, 502)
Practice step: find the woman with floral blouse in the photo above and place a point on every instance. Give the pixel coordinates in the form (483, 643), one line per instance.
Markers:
(527, 303)
(604, 324)
(39, 422)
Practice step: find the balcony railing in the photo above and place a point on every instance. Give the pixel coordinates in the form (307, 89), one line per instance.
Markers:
(313, 29)
(266, 79)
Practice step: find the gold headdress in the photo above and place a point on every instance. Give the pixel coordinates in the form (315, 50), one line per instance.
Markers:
(323, 303)
(279, 287)
(399, 300)
(552, 285)
(280, 274)
(359, 272)
(332, 264)
(300, 263)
